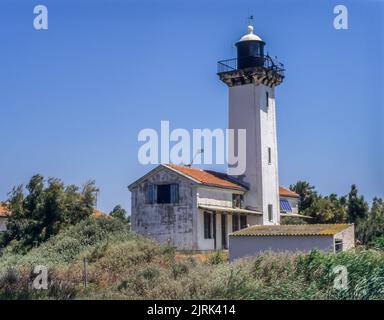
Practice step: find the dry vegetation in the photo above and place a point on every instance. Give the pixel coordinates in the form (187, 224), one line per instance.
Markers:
(122, 265)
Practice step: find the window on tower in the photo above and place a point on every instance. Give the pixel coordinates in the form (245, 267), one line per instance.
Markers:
(270, 212)
(267, 99)
(269, 156)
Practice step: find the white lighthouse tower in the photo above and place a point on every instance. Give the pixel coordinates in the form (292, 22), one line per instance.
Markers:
(252, 78)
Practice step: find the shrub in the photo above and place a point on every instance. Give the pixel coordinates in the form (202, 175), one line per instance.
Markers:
(218, 257)
(377, 243)
(178, 269)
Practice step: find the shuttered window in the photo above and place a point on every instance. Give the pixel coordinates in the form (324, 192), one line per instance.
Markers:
(174, 193)
(151, 193)
(163, 193)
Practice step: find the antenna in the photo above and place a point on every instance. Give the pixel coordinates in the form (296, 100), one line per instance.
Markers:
(199, 151)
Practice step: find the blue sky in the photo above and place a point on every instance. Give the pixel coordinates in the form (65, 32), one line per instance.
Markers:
(74, 97)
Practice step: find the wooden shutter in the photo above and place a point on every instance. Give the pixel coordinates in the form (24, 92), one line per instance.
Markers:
(174, 193)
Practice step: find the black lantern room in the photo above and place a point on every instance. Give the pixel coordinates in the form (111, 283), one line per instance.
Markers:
(250, 51)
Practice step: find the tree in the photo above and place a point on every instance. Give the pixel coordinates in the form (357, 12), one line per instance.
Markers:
(328, 209)
(42, 209)
(372, 227)
(306, 192)
(357, 207)
(119, 212)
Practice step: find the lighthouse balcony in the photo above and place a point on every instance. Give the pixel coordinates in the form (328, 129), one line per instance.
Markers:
(262, 69)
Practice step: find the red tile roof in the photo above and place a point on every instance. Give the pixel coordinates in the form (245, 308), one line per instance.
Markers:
(287, 193)
(207, 177)
(96, 213)
(3, 210)
(219, 179)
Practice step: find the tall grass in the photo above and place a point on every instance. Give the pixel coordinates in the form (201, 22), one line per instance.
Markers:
(122, 265)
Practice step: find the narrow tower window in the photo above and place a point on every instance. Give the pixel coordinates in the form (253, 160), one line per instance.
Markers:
(269, 156)
(270, 212)
(267, 99)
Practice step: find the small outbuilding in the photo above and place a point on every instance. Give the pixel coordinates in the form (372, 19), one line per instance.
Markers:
(305, 237)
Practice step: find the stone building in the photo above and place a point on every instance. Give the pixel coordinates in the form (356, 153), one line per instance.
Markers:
(193, 208)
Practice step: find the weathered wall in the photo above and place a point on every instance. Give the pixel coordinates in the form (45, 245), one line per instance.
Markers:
(243, 246)
(165, 222)
(348, 237)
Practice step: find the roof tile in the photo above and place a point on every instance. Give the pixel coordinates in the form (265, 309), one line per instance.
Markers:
(292, 230)
(3, 210)
(207, 177)
(287, 193)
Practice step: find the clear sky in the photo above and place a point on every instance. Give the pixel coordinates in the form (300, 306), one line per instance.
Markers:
(74, 97)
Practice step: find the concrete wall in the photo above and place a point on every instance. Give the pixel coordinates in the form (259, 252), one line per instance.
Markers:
(248, 110)
(243, 246)
(348, 237)
(165, 222)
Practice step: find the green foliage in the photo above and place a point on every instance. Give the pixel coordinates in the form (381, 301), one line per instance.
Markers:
(88, 238)
(351, 208)
(119, 212)
(306, 192)
(377, 243)
(357, 206)
(217, 257)
(122, 265)
(372, 227)
(44, 209)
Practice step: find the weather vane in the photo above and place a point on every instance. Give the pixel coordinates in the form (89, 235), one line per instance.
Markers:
(250, 19)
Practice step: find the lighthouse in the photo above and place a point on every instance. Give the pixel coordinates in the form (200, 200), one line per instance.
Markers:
(251, 79)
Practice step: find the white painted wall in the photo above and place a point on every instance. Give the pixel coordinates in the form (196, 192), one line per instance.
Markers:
(245, 246)
(248, 110)
(220, 198)
(215, 197)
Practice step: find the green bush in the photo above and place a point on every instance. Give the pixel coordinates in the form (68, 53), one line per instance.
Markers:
(377, 243)
(122, 265)
(217, 257)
